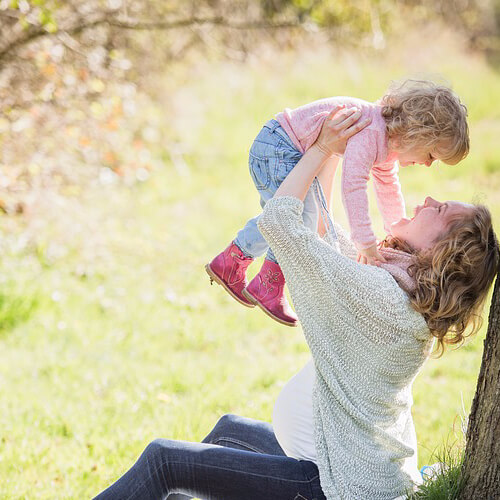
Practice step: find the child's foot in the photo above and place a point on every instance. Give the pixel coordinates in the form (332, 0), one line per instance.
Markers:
(267, 290)
(229, 270)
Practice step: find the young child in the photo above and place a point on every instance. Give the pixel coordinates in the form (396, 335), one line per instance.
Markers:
(414, 122)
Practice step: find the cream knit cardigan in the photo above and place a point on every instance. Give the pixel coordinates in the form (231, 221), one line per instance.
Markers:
(367, 344)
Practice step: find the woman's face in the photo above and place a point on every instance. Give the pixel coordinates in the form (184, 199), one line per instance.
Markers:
(429, 222)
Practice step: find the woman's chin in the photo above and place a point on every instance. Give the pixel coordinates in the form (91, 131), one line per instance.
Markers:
(401, 222)
(398, 229)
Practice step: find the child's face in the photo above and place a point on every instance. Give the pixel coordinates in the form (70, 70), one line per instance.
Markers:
(417, 155)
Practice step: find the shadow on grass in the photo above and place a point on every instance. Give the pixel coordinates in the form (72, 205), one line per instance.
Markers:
(14, 310)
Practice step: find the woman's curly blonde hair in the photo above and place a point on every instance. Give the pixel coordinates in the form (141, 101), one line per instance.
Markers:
(454, 276)
(422, 114)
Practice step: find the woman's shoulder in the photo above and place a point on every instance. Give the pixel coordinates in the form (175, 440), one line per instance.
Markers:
(386, 297)
(393, 304)
(395, 325)
(347, 247)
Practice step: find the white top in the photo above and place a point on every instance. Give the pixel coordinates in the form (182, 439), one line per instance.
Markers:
(368, 344)
(293, 416)
(293, 419)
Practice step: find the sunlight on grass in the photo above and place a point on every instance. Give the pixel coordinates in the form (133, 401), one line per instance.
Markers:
(125, 340)
(15, 309)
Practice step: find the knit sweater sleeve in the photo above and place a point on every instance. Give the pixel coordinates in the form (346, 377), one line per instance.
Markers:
(347, 247)
(326, 285)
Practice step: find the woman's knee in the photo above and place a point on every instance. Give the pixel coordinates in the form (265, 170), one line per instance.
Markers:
(221, 428)
(156, 451)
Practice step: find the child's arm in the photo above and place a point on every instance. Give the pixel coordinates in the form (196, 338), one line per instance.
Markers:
(390, 199)
(359, 157)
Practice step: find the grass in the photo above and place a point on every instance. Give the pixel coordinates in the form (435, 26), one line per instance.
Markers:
(446, 481)
(15, 309)
(110, 333)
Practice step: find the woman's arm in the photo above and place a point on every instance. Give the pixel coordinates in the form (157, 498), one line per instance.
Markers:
(321, 280)
(325, 285)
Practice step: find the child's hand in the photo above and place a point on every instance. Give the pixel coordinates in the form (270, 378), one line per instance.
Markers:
(371, 256)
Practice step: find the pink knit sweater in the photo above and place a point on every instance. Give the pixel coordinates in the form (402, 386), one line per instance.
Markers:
(365, 152)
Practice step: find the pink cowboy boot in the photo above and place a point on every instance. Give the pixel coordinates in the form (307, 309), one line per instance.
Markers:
(266, 290)
(229, 270)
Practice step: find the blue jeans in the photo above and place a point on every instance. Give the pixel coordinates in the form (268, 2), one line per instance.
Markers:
(239, 460)
(272, 156)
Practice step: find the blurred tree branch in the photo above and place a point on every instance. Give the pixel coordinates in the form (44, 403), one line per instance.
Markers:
(218, 21)
(32, 34)
(108, 18)
(477, 20)
(95, 31)
(74, 69)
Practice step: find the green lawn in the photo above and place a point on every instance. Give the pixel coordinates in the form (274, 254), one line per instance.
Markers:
(110, 332)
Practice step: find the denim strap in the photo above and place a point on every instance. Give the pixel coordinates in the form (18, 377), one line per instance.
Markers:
(331, 234)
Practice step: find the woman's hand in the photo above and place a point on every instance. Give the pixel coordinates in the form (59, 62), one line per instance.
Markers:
(340, 125)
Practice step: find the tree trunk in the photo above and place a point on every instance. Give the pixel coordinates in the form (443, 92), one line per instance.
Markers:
(481, 467)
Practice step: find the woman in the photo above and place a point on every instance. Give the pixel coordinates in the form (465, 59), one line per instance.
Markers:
(369, 328)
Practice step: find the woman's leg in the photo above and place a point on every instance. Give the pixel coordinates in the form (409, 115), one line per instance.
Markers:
(241, 433)
(217, 472)
(213, 472)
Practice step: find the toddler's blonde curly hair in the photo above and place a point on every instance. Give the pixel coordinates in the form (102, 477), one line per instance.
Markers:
(419, 113)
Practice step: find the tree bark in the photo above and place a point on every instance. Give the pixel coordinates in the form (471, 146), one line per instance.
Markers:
(481, 467)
